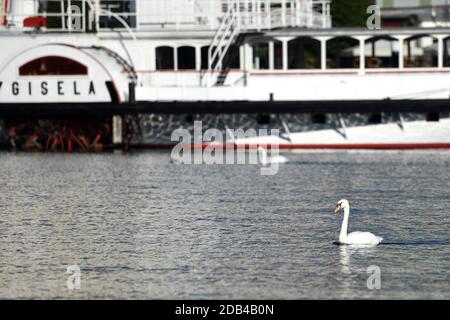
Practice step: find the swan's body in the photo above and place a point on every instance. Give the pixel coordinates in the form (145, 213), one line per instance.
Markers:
(363, 238)
(264, 160)
(357, 237)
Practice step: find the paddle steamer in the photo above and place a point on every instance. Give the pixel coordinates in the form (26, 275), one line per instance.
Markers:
(79, 74)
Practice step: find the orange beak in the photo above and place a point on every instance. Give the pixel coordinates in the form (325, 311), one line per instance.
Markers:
(337, 209)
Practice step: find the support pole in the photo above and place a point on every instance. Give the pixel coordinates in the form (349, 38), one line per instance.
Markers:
(323, 52)
(285, 54)
(132, 92)
(271, 55)
(175, 58)
(362, 55)
(401, 52)
(440, 51)
(118, 131)
(198, 57)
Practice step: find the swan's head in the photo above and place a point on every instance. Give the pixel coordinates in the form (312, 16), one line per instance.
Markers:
(341, 205)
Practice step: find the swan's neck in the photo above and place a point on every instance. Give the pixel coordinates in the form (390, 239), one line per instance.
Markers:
(344, 228)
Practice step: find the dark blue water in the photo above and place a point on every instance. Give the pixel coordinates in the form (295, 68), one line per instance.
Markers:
(141, 227)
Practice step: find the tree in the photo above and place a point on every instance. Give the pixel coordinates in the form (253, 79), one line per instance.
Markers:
(350, 13)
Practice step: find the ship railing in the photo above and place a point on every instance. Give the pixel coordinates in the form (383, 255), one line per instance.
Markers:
(252, 14)
(67, 18)
(72, 16)
(157, 15)
(292, 16)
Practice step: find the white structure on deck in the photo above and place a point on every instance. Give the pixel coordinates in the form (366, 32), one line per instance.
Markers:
(146, 15)
(217, 50)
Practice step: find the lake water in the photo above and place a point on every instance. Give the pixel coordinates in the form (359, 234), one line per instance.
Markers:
(140, 227)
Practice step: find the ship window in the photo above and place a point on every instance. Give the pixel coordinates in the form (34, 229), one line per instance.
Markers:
(205, 57)
(304, 53)
(261, 56)
(420, 52)
(125, 9)
(186, 58)
(230, 61)
(53, 65)
(189, 118)
(433, 117)
(375, 118)
(381, 52)
(342, 53)
(319, 118)
(233, 58)
(263, 119)
(447, 52)
(165, 58)
(278, 55)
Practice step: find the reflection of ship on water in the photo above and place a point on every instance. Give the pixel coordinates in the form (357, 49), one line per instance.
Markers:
(149, 67)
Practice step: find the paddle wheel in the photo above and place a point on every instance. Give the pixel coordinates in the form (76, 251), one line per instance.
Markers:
(71, 135)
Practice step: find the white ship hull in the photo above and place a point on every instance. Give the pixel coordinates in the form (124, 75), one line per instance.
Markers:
(409, 135)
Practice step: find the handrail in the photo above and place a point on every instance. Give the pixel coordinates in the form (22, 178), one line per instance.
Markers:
(222, 40)
(220, 35)
(252, 15)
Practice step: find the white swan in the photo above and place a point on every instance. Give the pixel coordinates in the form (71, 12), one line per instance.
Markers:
(264, 160)
(358, 238)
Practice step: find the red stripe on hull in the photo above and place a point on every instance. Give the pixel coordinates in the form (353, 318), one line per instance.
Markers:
(356, 146)
(370, 146)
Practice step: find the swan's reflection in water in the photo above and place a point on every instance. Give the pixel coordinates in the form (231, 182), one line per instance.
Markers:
(345, 272)
(346, 251)
(344, 259)
(351, 269)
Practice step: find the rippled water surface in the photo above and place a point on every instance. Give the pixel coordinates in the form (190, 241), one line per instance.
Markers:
(141, 227)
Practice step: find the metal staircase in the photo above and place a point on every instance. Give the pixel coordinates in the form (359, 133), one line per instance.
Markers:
(230, 56)
(225, 36)
(243, 17)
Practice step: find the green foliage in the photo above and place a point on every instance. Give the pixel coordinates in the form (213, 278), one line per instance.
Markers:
(350, 13)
